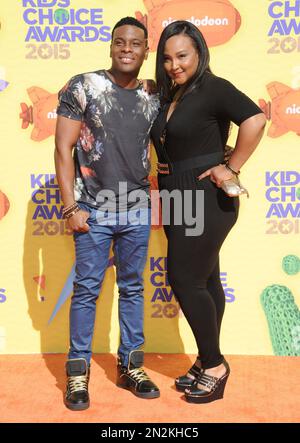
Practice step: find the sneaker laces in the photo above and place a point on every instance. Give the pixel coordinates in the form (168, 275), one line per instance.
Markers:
(78, 383)
(138, 374)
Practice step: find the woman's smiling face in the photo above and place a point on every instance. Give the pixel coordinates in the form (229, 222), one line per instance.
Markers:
(181, 58)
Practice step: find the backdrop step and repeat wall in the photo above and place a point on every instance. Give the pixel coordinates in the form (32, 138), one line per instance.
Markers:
(254, 44)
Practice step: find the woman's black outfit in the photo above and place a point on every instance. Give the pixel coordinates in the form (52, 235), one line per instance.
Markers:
(195, 138)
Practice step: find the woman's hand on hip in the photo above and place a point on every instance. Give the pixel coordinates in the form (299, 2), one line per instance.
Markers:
(217, 174)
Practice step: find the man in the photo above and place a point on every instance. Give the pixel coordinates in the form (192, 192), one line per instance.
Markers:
(107, 116)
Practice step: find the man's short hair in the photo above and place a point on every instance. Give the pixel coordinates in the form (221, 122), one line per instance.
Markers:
(132, 22)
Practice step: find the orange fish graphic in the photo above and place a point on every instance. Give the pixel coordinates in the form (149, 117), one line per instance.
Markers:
(4, 205)
(42, 113)
(283, 110)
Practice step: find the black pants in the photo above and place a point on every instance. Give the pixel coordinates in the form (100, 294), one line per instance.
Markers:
(193, 261)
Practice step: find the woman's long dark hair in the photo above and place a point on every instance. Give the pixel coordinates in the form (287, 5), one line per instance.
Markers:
(165, 85)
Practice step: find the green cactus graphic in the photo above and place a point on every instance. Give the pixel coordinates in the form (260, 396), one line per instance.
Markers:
(283, 318)
(291, 264)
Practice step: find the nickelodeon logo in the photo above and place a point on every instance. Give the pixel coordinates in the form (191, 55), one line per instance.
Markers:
(52, 114)
(294, 109)
(218, 20)
(206, 21)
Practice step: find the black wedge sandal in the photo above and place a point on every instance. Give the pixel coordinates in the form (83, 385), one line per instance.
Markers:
(215, 385)
(184, 381)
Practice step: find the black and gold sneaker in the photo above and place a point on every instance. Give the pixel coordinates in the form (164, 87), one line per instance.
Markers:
(78, 373)
(134, 378)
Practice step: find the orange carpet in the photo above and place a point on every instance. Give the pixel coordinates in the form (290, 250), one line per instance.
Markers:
(260, 389)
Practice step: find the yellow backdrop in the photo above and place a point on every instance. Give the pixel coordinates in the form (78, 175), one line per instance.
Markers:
(255, 45)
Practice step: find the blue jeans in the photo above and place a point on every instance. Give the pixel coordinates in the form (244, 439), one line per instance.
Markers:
(92, 256)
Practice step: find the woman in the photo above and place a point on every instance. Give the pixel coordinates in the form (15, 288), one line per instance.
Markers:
(190, 135)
